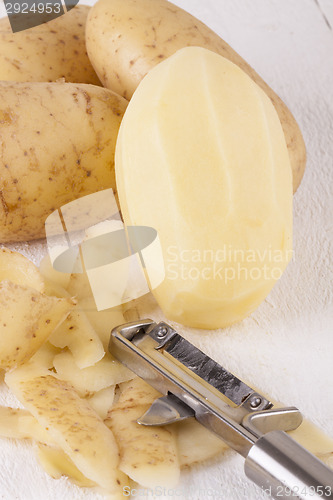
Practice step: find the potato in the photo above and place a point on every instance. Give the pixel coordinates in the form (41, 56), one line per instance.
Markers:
(20, 270)
(20, 424)
(44, 357)
(47, 270)
(55, 290)
(27, 319)
(60, 140)
(56, 463)
(211, 158)
(78, 335)
(148, 455)
(105, 373)
(102, 401)
(196, 443)
(126, 38)
(79, 287)
(102, 321)
(72, 423)
(47, 52)
(314, 440)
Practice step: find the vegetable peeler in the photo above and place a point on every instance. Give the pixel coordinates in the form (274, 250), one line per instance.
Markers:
(194, 385)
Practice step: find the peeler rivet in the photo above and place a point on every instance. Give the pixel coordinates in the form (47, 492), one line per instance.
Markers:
(255, 402)
(162, 332)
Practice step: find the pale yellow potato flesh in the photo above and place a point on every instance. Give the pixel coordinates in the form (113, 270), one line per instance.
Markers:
(56, 463)
(72, 423)
(102, 374)
(79, 336)
(102, 321)
(55, 290)
(60, 141)
(20, 424)
(211, 159)
(79, 287)
(315, 440)
(196, 443)
(47, 52)
(102, 401)
(44, 357)
(148, 455)
(127, 38)
(49, 273)
(20, 270)
(27, 319)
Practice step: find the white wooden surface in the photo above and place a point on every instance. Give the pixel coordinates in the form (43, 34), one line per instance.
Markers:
(286, 347)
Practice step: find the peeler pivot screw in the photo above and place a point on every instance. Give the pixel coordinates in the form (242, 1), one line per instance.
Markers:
(162, 332)
(255, 402)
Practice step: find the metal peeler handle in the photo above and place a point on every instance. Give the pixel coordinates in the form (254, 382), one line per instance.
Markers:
(284, 469)
(187, 376)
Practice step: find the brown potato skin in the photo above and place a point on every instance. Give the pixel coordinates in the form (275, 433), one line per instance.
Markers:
(126, 38)
(57, 144)
(47, 52)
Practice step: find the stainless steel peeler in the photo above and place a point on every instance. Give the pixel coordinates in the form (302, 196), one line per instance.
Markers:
(194, 385)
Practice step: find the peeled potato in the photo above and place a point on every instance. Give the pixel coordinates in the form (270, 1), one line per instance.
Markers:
(127, 38)
(60, 141)
(47, 52)
(211, 158)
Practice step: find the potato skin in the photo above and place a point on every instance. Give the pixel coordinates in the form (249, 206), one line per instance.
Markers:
(126, 38)
(45, 53)
(57, 144)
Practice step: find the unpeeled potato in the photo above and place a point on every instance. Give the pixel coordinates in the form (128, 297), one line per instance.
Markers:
(58, 141)
(47, 52)
(127, 38)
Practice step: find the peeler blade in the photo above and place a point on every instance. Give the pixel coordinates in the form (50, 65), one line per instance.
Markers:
(166, 410)
(207, 369)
